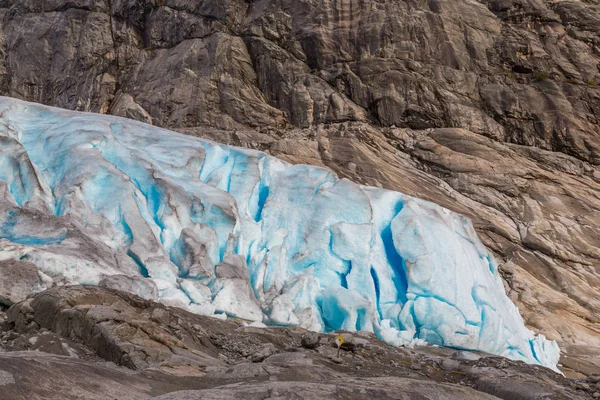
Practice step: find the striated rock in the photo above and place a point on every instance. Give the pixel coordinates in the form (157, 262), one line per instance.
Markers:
(173, 354)
(145, 288)
(125, 106)
(36, 375)
(362, 389)
(517, 72)
(121, 329)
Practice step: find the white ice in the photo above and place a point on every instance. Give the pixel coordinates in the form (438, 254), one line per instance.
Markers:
(219, 230)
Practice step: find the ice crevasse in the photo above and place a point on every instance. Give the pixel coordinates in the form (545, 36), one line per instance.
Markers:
(220, 230)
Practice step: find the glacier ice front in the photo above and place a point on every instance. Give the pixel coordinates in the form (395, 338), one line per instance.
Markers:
(100, 200)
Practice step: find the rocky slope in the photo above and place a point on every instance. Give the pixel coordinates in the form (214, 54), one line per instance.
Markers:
(66, 335)
(488, 108)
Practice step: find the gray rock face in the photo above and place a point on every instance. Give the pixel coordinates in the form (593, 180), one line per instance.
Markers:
(65, 335)
(517, 72)
(489, 108)
(360, 389)
(146, 288)
(126, 331)
(19, 279)
(37, 375)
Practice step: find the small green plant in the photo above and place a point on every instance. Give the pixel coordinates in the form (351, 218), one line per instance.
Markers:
(592, 82)
(542, 75)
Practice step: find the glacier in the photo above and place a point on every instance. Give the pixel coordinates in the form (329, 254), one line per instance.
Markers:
(225, 231)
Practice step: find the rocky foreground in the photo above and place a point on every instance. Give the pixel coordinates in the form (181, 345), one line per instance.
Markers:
(95, 343)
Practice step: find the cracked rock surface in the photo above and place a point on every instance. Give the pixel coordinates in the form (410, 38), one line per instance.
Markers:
(119, 346)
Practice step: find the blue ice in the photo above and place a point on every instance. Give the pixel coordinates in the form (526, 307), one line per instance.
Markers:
(230, 230)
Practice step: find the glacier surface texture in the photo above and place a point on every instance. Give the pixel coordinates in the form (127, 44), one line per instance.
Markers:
(226, 231)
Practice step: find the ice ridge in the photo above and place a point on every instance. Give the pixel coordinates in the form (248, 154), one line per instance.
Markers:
(216, 229)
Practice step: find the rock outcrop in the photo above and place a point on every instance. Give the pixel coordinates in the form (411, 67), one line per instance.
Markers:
(19, 279)
(489, 108)
(64, 335)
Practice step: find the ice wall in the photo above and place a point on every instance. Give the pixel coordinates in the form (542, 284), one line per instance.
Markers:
(95, 199)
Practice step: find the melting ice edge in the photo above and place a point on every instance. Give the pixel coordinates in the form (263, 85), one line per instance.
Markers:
(216, 229)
